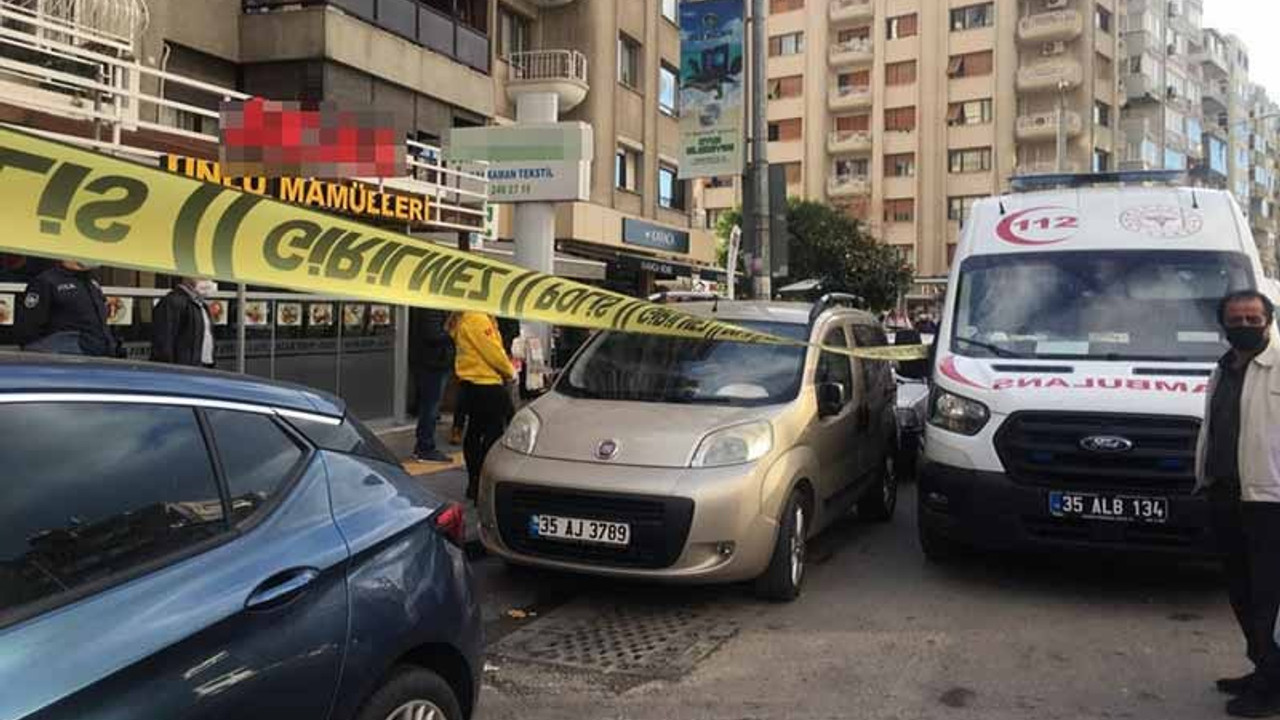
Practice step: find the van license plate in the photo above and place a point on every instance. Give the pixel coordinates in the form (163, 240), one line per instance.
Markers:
(1097, 506)
(597, 532)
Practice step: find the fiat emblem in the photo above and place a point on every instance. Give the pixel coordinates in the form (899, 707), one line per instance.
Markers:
(607, 449)
(1106, 444)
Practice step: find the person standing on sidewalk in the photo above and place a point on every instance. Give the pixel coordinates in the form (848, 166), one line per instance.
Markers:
(181, 326)
(1238, 463)
(431, 357)
(483, 368)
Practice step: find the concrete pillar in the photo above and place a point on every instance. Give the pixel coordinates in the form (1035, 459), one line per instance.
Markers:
(534, 224)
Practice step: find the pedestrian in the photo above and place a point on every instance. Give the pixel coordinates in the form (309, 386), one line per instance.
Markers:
(63, 310)
(483, 368)
(431, 357)
(1238, 464)
(182, 327)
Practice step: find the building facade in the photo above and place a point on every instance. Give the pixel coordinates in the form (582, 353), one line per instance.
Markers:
(897, 111)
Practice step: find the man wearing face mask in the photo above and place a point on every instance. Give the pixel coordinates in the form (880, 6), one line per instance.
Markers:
(181, 327)
(64, 311)
(1238, 464)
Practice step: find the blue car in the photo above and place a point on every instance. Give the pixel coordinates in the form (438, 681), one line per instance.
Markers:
(187, 544)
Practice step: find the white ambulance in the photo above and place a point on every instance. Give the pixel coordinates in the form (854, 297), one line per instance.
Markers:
(1070, 369)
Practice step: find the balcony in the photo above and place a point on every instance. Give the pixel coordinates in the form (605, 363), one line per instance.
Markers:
(1045, 167)
(1050, 75)
(842, 11)
(1044, 126)
(849, 97)
(558, 72)
(841, 186)
(1216, 97)
(1051, 26)
(858, 51)
(848, 141)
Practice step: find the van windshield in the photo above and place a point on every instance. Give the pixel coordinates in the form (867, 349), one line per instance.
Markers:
(1114, 305)
(652, 368)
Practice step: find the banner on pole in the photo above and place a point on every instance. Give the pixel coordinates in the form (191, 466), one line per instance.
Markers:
(711, 88)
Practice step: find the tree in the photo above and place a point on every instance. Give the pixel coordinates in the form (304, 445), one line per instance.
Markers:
(829, 246)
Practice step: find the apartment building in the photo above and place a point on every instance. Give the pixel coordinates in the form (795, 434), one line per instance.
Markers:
(1163, 120)
(1224, 68)
(1264, 185)
(632, 52)
(903, 112)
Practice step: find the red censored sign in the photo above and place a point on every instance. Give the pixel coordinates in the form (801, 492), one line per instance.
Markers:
(270, 138)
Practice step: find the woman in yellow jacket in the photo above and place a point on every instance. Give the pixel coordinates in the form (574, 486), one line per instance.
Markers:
(483, 368)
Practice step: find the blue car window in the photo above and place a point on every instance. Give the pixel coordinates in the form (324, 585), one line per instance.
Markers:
(93, 492)
(258, 458)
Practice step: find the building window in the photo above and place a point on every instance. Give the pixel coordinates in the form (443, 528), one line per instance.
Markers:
(900, 73)
(1105, 70)
(901, 26)
(901, 119)
(794, 172)
(970, 65)
(901, 165)
(627, 169)
(786, 130)
(667, 83)
(670, 11)
(899, 210)
(860, 79)
(791, 86)
(1102, 19)
(853, 168)
(853, 123)
(781, 6)
(969, 160)
(670, 188)
(1174, 160)
(514, 31)
(959, 208)
(972, 112)
(973, 16)
(1101, 114)
(788, 44)
(1101, 161)
(628, 62)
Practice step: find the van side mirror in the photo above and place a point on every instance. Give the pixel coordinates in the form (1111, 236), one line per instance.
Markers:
(830, 399)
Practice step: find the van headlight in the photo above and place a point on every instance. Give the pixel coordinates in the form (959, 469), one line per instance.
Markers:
(735, 445)
(957, 414)
(522, 433)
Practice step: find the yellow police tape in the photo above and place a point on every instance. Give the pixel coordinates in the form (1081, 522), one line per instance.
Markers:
(66, 202)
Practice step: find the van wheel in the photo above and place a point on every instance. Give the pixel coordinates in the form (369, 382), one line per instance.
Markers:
(783, 578)
(412, 693)
(937, 548)
(880, 500)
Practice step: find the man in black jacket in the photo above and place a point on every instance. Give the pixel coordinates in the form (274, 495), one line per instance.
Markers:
(431, 357)
(181, 326)
(64, 311)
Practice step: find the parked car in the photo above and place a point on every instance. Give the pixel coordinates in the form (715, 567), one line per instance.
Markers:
(188, 544)
(695, 460)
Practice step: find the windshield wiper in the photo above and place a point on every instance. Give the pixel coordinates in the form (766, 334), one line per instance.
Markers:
(994, 349)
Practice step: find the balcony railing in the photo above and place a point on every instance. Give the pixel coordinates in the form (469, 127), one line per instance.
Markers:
(1041, 126)
(1051, 26)
(852, 51)
(848, 185)
(849, 96)
(1045, 167)
(548, 65)
(113, 24)
(840, 141)
(1050, 75)
(845, 10)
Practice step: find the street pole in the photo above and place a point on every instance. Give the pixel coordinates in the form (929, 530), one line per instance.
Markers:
(1062, 128)
(762, 269)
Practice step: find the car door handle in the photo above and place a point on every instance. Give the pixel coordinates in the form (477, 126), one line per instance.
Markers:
(281, 588)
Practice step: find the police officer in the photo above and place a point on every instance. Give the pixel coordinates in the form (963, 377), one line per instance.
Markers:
(64, 311)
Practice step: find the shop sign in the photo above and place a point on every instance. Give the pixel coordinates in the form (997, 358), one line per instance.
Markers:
(643, 234)
(529, 162)
(539, 182)
(711, 88)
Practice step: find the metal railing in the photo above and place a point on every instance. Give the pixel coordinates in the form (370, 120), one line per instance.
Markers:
(852, 45)
(1052, 20)
(849, 137)
(839, 7)
(115, 24)
(544, 65)
(849, 92)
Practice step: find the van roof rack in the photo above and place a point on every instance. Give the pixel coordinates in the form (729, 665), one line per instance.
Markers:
(835, 299)
(1023, 183)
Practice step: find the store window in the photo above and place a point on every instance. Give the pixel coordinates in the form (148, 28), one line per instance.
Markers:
(901, 119)
(969, 160)
(628, 62)
(971, 112)
(667, 94)
(902, 26)
(970, 65)
(788, 44)
(972, 17)
(900, 73)
(781, 88)
(900, 165)
(899, 210)
(670, 188)
(627, 169)
(514, 32)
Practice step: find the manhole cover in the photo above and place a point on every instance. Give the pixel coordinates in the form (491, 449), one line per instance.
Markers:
(654, 641)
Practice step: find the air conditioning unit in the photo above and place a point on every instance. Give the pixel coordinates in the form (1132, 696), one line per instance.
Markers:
(1055, 4)
(1053, 48)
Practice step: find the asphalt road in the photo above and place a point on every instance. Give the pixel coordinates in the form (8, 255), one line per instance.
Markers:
(878, 633)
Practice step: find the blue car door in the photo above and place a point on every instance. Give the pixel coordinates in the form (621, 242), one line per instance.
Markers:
(165, 561)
